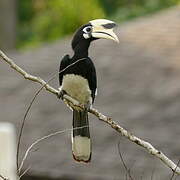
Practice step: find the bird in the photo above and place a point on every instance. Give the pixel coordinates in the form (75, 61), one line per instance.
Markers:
(77, 78)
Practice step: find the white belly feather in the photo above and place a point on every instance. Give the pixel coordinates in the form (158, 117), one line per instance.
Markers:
(77, 87)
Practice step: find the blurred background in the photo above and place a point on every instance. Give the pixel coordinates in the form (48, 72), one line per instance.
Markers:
(28, 23)
(138, 84)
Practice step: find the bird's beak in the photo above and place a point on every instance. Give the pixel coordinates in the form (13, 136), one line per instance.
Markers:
(102, 28)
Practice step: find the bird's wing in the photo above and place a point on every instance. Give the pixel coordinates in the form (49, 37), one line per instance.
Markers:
(83, 68)
(92, 79)
(64, 63)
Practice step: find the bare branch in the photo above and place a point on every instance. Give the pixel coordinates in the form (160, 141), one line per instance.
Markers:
(146, 145)
(2, 177)
(149, 148)
(175, 170)
(26, 75)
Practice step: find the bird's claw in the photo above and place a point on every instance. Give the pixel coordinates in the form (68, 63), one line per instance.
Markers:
(87, 106)
(61, 94)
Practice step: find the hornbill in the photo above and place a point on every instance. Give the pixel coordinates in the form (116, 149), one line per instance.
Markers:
(78, 80)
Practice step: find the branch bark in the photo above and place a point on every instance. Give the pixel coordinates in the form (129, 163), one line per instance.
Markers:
(73, 103)
(2, 177)
(26, 75)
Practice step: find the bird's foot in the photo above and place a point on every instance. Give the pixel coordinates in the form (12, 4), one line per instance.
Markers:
(87, 106)
(61, 94)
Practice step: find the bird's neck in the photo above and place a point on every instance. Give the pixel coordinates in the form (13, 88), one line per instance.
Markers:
(81, 50)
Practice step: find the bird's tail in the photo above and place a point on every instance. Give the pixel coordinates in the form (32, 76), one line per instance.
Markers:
(81, 144)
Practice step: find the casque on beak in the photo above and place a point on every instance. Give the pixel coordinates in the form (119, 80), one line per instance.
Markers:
(102, 28)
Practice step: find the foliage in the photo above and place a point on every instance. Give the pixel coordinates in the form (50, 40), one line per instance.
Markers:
(121, 10)
(46, 20)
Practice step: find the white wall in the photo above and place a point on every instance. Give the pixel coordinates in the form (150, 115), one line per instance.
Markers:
(7, 151)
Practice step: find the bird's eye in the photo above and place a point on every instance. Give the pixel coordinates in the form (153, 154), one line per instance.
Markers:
(87, 29)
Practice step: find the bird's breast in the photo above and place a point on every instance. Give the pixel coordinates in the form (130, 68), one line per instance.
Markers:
(77, 87)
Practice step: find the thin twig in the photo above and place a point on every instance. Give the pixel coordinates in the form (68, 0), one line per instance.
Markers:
(23, 173)
(146, 145)
(42, 139)
(124, 164)
(152, 174)
(21, 130)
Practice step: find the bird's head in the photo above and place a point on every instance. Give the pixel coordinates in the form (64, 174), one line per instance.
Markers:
(95, 29)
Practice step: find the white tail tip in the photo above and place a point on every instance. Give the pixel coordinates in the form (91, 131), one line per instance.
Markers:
(81, 148)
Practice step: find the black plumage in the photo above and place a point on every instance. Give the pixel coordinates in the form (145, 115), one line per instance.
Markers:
(84, 67)
(80, 64)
